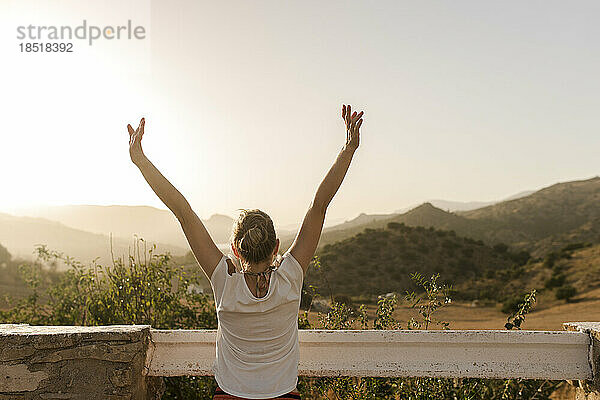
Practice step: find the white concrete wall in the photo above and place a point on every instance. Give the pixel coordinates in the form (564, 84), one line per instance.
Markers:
(482, 354)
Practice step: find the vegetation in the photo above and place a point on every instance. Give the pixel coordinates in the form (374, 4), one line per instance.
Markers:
(148, 289)
(522, 309)
(433, 296)
(5, 256)
(145, 289)
(379, 261)
(545, 244)
(566, 292)
(540, 223)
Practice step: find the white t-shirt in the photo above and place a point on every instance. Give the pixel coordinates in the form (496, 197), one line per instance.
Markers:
(257, 349)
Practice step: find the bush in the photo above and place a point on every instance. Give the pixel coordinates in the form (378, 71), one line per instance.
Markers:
(501, 248)
(512, 304)
(521, 257)
(345, 300)
(566, 292)
(575, 246)
(146, 290)
(306, 296)
(395, 225)
(467, 252)
(555, 281)
(550, 259)
(155, 292)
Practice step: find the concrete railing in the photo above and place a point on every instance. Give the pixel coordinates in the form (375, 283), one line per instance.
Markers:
(127, 361)
(450, 354)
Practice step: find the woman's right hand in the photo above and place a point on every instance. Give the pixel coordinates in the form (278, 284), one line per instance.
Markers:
(353, 122)
(135, 142)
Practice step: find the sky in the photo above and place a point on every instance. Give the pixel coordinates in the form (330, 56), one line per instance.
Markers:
(463, 101)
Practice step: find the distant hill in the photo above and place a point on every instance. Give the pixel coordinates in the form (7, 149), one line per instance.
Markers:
(547, 219)
(361, 220)
(20, 235)
(544, 221)
(377, 261)
(123, 221)
(425, 215)
(453, 206)
(540, 222)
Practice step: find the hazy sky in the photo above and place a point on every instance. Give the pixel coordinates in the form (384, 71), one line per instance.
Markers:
(463, 100)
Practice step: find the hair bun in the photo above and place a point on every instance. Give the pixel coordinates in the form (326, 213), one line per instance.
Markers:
(255, 236)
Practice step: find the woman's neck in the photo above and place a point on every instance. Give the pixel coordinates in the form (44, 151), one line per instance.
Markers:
(260, 267)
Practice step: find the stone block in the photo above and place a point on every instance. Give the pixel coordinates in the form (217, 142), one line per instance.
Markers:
(76, 363)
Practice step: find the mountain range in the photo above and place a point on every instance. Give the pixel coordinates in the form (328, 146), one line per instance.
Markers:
(537, 222)
(452, 206)
(20, 235)
(540, 222)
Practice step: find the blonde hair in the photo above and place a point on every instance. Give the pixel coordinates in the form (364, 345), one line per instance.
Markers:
(253, 236)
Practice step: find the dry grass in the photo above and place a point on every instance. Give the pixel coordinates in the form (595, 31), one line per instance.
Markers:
(548, 315)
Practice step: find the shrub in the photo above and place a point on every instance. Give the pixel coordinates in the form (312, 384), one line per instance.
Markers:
(146, 289)
(501, 248)
(550, 259)
(521, 257)
(152, 291)
(511, 304)
(575, 246)
(515, 320)
(566, 292)
(555, 281)
(345, 300)
(467, 252)
(395, 225)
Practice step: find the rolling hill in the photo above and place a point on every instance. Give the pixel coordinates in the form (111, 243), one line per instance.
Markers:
(541, 222)
(547, 219)
(20, 235)
(377, 261)
(454, 206)
(124, 221)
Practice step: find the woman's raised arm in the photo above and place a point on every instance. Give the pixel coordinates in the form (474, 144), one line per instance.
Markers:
(203, 247)
(307, 239)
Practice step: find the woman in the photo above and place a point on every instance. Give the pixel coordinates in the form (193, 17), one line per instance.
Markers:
(257, 301)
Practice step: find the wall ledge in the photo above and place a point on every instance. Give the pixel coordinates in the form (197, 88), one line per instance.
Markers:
(588, 389)
(76, 362)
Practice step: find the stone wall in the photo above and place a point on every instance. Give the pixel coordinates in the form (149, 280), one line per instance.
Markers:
(122, 362)
(76, 362)
(588, 390)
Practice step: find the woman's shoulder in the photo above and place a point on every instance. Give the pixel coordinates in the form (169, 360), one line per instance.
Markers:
(225, 267)
(289, 265)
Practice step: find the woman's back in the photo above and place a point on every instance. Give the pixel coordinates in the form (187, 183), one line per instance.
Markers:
(257, 340)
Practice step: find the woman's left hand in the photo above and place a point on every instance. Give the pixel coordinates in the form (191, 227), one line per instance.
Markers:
(135, 142)
(353, 122)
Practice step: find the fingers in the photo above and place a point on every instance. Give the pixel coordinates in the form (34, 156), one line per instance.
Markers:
(348, 113)
(142, 124)
(356, 118)
(350, 116)
(130, 129)
(353, 121)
